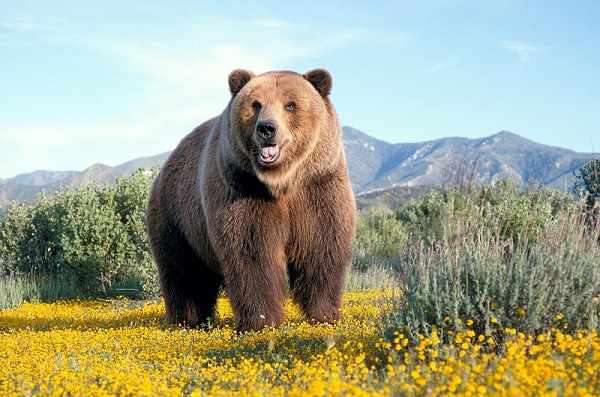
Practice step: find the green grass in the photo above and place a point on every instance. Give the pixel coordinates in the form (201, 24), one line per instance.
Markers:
(14, 290)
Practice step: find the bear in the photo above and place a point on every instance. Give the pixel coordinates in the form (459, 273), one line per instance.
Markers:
(258, 201)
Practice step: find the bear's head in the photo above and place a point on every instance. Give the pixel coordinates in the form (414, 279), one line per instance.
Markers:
(282, 122)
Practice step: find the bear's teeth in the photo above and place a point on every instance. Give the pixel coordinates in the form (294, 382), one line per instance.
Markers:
(269, 151)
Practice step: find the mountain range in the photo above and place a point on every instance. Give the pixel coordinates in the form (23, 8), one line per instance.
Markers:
(373, 164)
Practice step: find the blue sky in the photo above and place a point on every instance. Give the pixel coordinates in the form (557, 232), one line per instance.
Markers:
(108, 81)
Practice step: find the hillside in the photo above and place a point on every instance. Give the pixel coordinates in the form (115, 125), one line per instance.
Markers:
(376, 164)
(26, 187)
(373, 165)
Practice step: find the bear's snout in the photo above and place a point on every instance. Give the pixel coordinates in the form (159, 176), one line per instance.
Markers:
(266, 129)
(269, 147)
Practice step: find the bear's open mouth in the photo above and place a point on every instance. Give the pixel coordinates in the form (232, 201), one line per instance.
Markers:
(269, 153)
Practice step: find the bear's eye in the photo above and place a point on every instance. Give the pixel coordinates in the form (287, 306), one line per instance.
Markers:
(290, 106)
(256, 105)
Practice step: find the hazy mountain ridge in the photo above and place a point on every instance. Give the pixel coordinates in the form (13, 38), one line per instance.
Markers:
(373, 165)
(21, 189)
(38, 178)
(505, 153)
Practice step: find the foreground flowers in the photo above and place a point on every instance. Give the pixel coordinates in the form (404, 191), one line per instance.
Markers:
(124, 348)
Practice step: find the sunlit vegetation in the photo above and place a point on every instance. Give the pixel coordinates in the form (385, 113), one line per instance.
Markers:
(124, 348)
(468, 290)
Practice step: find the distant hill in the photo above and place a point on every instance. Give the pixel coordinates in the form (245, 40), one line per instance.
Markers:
(26, 187)
(38, 178)
(146, 162)
(374, 165)
(381, 165)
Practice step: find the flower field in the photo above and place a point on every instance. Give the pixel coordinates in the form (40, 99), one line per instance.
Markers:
(125, 348)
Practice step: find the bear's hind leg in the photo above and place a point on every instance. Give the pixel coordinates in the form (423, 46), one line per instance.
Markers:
(189, 287)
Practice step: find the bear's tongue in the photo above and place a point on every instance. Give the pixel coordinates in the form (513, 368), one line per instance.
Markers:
(268, 153)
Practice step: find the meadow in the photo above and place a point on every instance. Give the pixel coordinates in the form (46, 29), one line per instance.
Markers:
(469, 291)
(124, 348)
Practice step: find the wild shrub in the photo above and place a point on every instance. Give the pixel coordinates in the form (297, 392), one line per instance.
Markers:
(380, 239)
(513, 210)
(379, 235)
(587, 187)
(30, 237)
(504, 257)
(94, 236)
(520, 212)
(423, 217)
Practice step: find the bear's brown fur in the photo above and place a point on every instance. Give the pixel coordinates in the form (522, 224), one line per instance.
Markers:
(253, 195)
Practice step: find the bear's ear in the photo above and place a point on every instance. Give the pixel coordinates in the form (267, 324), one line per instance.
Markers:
(321, 80)
(238, 79)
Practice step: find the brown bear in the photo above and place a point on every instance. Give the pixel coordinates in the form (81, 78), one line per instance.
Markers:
(254, 199)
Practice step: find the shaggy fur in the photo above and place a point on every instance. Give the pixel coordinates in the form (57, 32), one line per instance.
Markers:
(254, 199)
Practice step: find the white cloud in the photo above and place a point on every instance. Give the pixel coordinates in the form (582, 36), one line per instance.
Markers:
(522, 49)
(189, 82)
(181, 83)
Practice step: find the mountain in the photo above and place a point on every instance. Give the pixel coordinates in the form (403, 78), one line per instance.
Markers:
(373, 164)
(26, 187)
(376, 165)
(38, 178)
(146, 162)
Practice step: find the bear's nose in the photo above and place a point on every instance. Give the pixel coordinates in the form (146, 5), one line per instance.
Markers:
(266, 129)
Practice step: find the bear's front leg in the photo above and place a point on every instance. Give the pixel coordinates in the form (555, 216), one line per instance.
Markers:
(249, 243)
(317, 285)
(321, 253)
(256, 291)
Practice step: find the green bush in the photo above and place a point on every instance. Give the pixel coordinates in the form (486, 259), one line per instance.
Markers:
(522, 211)
(547, 284)
(30, 238)
(508, 212)
(94, 236)
(380, 239)
(423, 217)
(513, 210)
(587, 186)
(380, 235)
(503, 256)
